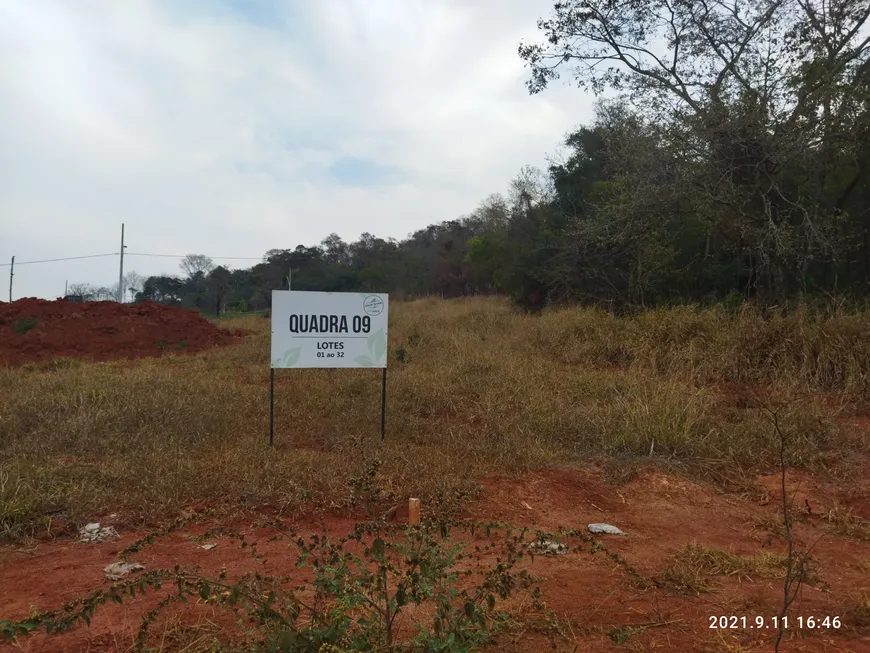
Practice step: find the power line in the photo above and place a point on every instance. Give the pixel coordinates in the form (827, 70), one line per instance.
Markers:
(76, 258)
(53, 260)
(225, 258)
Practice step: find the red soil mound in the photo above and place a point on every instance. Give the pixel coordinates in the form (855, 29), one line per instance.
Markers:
(37, 330)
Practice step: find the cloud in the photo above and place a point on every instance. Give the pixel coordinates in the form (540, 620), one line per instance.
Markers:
(230, 127)
(352, 172)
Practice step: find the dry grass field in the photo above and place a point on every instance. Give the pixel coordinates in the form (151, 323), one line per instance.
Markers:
(487, 410)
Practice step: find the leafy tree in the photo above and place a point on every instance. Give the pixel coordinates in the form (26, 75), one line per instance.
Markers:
(163, 289)
(335, 250)
(758, 99)
(219, 283)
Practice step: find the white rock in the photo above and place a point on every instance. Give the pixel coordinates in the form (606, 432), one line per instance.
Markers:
(549, 548)
(118, 570)
(604, 528)
(91, 534)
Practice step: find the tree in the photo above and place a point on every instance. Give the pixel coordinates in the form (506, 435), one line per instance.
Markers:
(335, 250)
(575, 179)
(162, 289)
(219, 284)
(104, 294)
(528, 187)
(193, 264)
(83, 290)
(195, 291)
(489, 257)
(761, 99)
(133, 283)
(373, 263)
(492, 214)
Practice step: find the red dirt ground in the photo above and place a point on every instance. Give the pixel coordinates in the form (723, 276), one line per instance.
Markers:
(102, 331)
(589, 594)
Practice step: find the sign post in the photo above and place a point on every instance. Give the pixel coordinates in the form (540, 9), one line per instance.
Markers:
(271, 406)
(384, 402)
(328, 330)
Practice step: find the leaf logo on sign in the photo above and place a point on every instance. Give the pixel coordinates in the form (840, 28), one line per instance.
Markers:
(378, 345)
(291, 356)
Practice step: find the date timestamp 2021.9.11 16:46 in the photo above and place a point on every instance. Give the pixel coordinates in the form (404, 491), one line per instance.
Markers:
(774, 622)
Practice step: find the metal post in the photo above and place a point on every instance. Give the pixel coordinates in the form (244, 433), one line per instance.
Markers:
(384, 403)
(121, 275)
(271, 406)
(11, 274)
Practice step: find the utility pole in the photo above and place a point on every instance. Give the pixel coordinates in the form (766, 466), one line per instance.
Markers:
(11, 274)
(65, 288)
(121, 276)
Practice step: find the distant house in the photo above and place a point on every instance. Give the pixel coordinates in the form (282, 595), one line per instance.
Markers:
(75, 298)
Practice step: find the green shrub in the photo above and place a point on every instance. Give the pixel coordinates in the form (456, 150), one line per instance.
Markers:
(24, 325)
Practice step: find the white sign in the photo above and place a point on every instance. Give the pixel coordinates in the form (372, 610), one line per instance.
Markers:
(329, 329)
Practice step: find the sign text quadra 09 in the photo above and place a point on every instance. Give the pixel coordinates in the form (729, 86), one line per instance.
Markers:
(322, 329)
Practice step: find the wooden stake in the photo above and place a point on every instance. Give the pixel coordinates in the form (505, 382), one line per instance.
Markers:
(413, 512)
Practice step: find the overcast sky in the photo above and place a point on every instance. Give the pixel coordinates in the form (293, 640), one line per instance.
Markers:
(230, 127)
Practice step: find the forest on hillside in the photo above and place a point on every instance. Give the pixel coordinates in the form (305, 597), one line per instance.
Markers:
(731, 161)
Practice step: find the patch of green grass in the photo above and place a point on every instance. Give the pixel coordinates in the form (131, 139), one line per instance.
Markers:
(24, 325)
